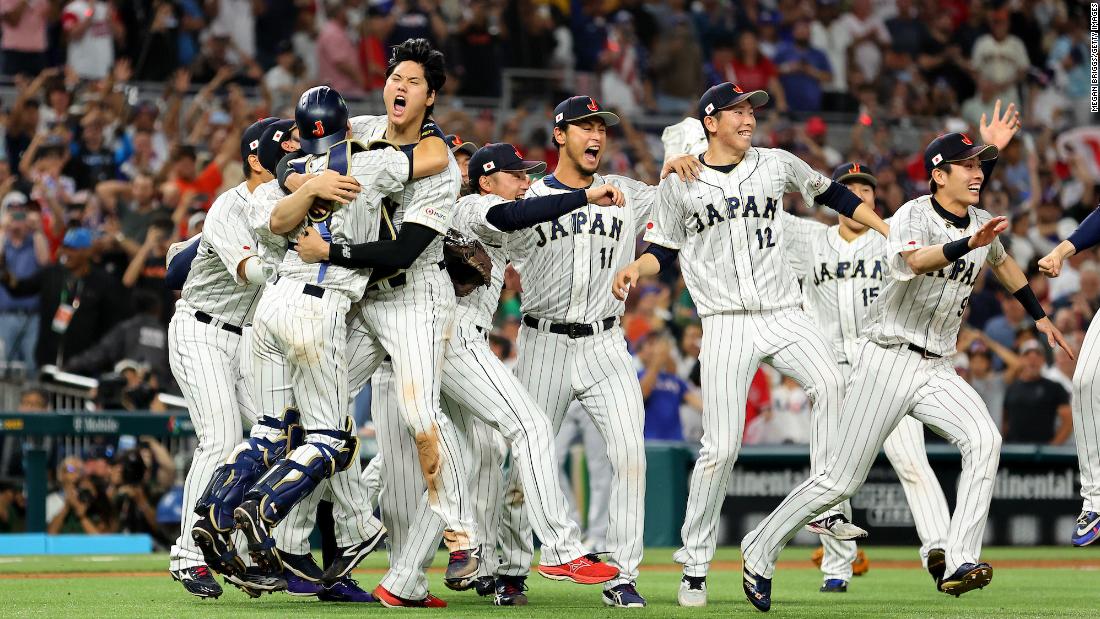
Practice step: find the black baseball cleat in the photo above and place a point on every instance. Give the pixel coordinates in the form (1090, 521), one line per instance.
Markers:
(256, 583)
(350, 556)
(198, 581)
(968, 577)
(302, 566)
(486, 585)
(217, 548)
(937, 564)
(758, 590)
(510, 591)
(261, 546)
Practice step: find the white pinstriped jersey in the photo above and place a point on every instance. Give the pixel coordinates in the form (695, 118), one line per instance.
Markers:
(478, 307)
(568, 264)
(728, 232)
(427, 201)
(379, 172)
(840, 279)
(926, 310)
(213, 285)
(272, 247)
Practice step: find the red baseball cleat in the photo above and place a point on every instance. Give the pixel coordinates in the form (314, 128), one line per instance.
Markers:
(586, 570)
(390, 600)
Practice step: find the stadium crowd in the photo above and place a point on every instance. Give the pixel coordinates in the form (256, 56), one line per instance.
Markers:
(122, 125)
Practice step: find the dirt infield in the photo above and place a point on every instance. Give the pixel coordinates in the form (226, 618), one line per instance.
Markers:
(733, 566)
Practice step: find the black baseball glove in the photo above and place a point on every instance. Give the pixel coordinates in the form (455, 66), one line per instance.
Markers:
(468, 264)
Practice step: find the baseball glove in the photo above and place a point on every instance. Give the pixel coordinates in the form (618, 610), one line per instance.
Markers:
(468, 264)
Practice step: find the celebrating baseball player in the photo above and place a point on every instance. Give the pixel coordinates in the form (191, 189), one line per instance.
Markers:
(476, 385)
(726, 228)
(935, 250)
(222, 284)
(1086, 398)
(842, 268)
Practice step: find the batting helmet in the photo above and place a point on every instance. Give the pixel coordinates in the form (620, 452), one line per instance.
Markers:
(322, 119)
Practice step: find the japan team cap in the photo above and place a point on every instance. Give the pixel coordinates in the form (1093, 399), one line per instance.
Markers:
(579, 108)
(271, 143)
(854, 171)
(250, 139)
(457, 145)
(496, 157)
(726, 95)
(952, 147)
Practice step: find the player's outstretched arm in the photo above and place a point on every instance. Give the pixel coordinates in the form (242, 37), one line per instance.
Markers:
(647, 264)
(1012, 277)
(687, 167)
(1086, 236)
(935, 257)
(328, 185)
(520, 214)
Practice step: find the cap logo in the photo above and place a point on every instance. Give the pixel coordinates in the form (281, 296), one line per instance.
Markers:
(738, 90)
(516, 151)
(854, 169)
(592, 105)
(558, 118)
(253, 145)
(966, 140)
(457, 141)
(937, 159)
(709, 109)
(318, 128)
(277, 136)
(489, 166)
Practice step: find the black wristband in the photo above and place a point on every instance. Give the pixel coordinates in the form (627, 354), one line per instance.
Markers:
(429, 129)
(1026, 297)
(339, 254)
(956, 249)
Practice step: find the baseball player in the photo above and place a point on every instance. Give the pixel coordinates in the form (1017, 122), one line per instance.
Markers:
(936, 247)
(462, 151)
(842, 269)
(219, 295)
(570, 345)
(408, 307)
(476, 387)
(730, 237)
(1086, 398)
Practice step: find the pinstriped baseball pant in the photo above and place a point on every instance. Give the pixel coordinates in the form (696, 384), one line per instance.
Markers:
(1086, 417)
(734, 345)
(888, 383)
(905, 450)
(206, 362)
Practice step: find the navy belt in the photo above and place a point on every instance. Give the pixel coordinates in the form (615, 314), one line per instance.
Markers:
(398, 280)
(313, 291)
(572, 329)
(207, 319)
(923, 352)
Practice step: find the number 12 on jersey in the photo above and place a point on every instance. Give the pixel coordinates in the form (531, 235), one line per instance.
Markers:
(764, 238)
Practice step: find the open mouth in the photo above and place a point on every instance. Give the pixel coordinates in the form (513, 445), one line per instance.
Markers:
(399, 105)
(591, 153)
(974, 188)
(745, 133)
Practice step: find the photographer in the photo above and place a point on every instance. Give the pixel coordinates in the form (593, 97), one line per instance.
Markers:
(132, 503)
(81, 505)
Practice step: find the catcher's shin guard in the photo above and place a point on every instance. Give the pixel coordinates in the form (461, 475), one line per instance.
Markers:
(291, 479)
(244, 466)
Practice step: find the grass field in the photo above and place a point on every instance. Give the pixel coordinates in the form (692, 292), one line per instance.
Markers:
(1032, 582)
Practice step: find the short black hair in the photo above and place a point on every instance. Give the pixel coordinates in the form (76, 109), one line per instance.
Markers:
(431, 59)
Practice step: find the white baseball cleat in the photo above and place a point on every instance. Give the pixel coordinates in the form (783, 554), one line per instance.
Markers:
(693, 592)
(836, 526)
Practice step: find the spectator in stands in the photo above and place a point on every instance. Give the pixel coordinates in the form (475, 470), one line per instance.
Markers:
(747, 67)
(31, 400)
(858, 37)
(191, 184)
(24, 251)
(1013, 319)
(1069, 60)
(1036, 408)
(663, 391)
(13, 507)
(78, 300)
(416, 19)
(336, 65)
(93, 162)
(283, 80)
(235, 20)
(983, 375)
(803, 70)
(81, 505)
(479, 42)
(23, 35)
(141, 339)
(907, 30)
(372, 49)
(677, 67)
(147, 268)
(91, 29)
(622, 79)
(1001, 58)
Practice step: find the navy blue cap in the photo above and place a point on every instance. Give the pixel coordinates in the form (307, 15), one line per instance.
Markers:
(271, 143)
(952, 147)
(581, 107)
(322, 118)
(854, 171)
(726, 95)
(493, 158)
(458, 145)
(250, 139)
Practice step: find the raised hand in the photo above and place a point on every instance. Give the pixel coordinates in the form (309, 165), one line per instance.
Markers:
(989, 231)
(1054, 336)
(999, 130)
(605, 195)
